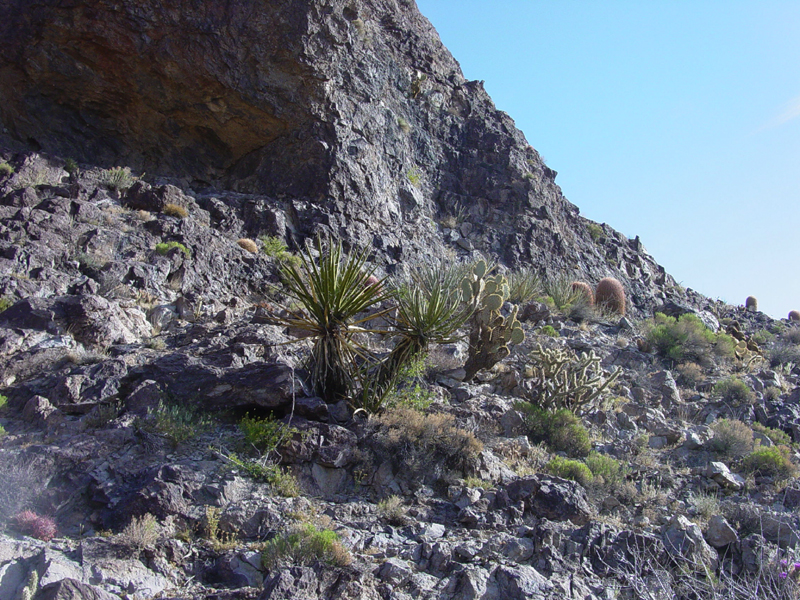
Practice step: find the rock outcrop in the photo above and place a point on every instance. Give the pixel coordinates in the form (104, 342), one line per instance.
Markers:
(349, 117)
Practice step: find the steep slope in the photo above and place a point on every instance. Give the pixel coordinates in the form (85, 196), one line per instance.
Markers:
(346, 116)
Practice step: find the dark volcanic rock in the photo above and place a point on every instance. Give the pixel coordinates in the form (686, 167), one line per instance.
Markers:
(353, 115)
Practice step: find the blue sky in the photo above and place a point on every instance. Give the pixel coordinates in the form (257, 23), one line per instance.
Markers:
(676, 121)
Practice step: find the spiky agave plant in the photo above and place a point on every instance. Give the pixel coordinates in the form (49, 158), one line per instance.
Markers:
(332, 292)
(425, 315)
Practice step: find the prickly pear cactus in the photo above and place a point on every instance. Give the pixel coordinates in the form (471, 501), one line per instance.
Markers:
(490, 331)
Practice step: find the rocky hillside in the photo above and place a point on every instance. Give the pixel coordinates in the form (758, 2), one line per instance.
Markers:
(346, 117)
(160, 433)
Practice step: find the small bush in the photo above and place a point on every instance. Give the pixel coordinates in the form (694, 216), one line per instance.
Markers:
(771, 462)
(274, 247)
(610, 295)
(304, 546)
(610, 469)
(393, 510)
(3, 432)
(772, 393)
(5, 302)
(265, 433)
(690, 374)
(3, 401)
(425, 446)
(734, 391)
(549, 330)
(165, 247)
(732, 438)
(247, 244)
(40, 527)
(140, 533)
(282, 483)
(561, 430)
(569, 469)
(70, 166)
(686, 339)
(706, 505)
(175, 210)
(176, 422)
(776, 436)
(791, 335)
(595, 231)
(6, 170)
(117, 178)
(784, 353)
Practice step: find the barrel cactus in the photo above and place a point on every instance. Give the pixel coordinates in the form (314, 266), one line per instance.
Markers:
(585, 291)
(794, 315)
(610, 295)
(751, 303)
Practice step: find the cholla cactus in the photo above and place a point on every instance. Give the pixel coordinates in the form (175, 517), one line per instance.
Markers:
(560, 379)
(610, 295)
(751, 303)
(491, 332)
(31, 587)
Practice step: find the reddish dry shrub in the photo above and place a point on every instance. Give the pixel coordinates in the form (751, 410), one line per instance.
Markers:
(610, 295)
(585, 290)
(40, 527)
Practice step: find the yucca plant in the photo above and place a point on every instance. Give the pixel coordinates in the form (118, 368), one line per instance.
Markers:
(524, 285)
(446, 276)
(331, 292)
(423, 317)
(560, 289)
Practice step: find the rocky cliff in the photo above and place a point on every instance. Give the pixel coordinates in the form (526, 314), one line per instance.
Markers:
(349, 117)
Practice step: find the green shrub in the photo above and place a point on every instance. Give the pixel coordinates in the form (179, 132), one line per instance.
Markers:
(176, 422)
(609, 468)
(165, 247)
(774, 461)
(776, 436)
(3, 401)
(791, 335)
(596, 231)
(734, 391)
(569, 469)
(3, 431)
(265, 433)
(549, 330)
(117, 178)
(281, 482)
(561, 430)
(304, 546)
(732, 438)
(6, 169)
(686, 339)
(5, 303)
(70, 166)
